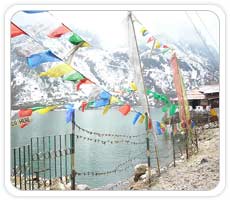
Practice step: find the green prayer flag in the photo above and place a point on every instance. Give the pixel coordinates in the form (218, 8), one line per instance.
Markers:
(75, 77)
(75, 39)
(172, 109)
(36, 108)
(165, 108)
(148, 92)
(156, 95)
(90, 104)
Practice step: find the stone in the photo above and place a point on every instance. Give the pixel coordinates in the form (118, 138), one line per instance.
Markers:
(140, 168)
(82, 187)
(58, 186)
(204, 160)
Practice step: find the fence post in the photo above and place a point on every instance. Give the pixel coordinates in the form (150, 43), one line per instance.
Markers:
(173, 142)
(147, 148)
(73, 172)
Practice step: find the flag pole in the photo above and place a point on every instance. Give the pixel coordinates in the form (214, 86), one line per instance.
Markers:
(72, 139)
(149, 130)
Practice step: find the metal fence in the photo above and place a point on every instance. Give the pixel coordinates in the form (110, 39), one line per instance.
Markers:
(49, 159)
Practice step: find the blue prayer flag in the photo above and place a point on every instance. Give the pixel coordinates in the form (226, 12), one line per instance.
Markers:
(36, 59)
(158, 128)
(69, 112)
(34, 11)
(138, 114)
(101, 102)
(105, 95)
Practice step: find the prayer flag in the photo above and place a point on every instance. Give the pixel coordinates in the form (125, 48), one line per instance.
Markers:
(181, 95)
(150, 39)
(36, 59)
(138, 114)
(106, 109)
(101, 102)
(24, 112)
(69, 112)
(75, 77)
(113, 100)
(141, 119)
(58, 32)
(157, 44)
(133, 86)
(105, 95)
(125, 109)
(15, 31)
(75, 39)
(158, 128)
(83, 106)
(34, 11)
(83, 81)
(46, 109)
(36, 108)
(57, 71)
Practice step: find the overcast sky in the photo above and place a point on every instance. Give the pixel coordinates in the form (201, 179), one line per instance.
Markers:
(175, 24)
(111, 28)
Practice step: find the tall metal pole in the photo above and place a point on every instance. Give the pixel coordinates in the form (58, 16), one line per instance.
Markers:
(73, 172)
(148, 110)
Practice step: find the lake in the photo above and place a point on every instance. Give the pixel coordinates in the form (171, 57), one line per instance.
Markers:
(97, 157)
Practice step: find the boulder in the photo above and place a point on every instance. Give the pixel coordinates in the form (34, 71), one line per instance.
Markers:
(82, 187)
(139, 170)
(58, 186)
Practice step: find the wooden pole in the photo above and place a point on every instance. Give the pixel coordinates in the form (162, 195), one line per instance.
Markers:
(73, 172)
(147, 103)
(173, 142)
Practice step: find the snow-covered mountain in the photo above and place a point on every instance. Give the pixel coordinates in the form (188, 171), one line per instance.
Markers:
(111, 70)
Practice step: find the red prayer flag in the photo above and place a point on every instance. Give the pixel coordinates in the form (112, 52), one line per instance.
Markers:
(15, 31)
(151, 38)
(59, 31)
(125, 109)
(165, 46)
(178, 82)
(24, 113)
(150, 126)
(83, 106)
(83, 81)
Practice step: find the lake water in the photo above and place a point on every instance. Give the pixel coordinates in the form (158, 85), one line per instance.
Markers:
(97, 157)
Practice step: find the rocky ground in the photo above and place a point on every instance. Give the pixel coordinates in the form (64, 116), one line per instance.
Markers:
(199, 172)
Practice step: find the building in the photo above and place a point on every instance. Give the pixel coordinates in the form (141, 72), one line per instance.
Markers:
(204, 96)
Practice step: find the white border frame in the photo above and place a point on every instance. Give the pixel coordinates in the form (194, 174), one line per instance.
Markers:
(213, 8)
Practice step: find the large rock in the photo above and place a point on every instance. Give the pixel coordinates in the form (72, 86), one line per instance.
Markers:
(139, 170)
(58, 186)
(82, 187)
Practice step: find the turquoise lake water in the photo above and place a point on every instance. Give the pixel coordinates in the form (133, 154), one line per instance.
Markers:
(97, 157)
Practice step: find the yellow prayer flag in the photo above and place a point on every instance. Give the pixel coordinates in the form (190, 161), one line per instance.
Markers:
(58, 71)
(114, 99)
(157, 44)
(85, 44)
(143, 29)
(46, 109)
(141, 119)
(213, 112)
(133, 86)
(106, 109)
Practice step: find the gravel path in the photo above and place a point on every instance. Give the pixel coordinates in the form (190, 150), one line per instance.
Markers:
(200, 172)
